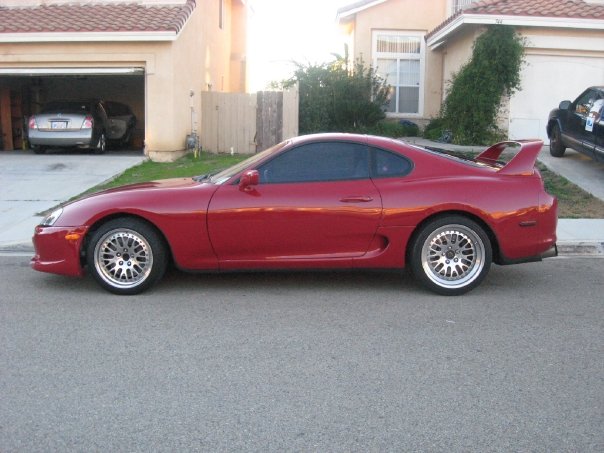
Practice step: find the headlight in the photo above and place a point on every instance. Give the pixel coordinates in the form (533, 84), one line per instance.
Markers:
(52, 218)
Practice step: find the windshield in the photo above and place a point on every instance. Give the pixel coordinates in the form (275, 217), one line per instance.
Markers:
(225, 175)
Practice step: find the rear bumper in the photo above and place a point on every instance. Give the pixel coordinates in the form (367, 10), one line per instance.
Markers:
(549, 253)
(80, 138)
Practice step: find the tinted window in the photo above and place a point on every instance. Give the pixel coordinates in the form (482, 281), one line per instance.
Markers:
(330, 161)
(585, 102)
(66, 107)
(389, 164)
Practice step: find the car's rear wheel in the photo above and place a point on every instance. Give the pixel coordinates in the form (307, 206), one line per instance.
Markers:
(451, 255)
(126, 256)
(101, 146)
(39, 149)
(556, 147)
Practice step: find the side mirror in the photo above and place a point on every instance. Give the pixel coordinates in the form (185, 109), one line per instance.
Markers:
(564, 105)
(248, 179)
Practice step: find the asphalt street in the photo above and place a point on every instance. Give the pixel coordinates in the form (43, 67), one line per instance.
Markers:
(304, 362)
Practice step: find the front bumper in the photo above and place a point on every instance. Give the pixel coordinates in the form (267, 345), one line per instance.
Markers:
(57, 250)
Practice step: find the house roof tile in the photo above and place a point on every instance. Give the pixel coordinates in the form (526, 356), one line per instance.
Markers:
(558, 9)
(572, 9)
(95, 18)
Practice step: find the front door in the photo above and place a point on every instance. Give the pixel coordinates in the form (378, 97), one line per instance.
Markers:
(315, 205)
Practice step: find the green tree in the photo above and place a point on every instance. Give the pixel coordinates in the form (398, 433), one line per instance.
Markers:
(336, 97)
(476, 91)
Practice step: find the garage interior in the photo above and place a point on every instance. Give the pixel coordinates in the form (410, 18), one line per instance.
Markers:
(24, 91)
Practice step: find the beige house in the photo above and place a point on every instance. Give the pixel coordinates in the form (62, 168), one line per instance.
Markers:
(157, 56)
(418, 45)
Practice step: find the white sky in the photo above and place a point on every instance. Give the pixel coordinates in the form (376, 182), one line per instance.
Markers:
(282, 31)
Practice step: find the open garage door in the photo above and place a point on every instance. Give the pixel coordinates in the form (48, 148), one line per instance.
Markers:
(547, 80)
(23, 92)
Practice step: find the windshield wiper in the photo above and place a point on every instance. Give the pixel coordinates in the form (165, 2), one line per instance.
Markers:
(206, 177)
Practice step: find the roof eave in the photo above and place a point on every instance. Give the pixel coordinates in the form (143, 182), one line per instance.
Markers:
(89, 36)
(440, 37)
(344, 13)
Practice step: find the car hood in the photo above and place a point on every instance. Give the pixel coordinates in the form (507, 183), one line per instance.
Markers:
(160, 184)
(144, 199)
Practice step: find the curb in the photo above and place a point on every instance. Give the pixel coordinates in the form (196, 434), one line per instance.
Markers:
(17, 247)
(581, 248)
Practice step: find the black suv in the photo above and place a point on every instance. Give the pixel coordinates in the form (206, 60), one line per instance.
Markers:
(578, 125)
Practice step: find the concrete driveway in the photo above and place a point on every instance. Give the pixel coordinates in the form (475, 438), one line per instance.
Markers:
(34, 183)
(578, 169)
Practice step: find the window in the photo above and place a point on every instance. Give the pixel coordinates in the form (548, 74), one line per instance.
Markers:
(399, 58)
(388, 164)
(330, 161)
(585, 102)
(459, 5)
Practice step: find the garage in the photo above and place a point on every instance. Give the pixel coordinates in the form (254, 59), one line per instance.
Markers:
(23, 92)
(566, 77)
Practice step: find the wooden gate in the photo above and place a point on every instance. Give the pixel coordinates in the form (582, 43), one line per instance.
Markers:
(247, 123)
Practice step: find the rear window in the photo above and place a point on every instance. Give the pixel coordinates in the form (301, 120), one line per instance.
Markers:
(66, 107)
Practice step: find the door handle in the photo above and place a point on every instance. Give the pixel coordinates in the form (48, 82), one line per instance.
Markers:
(356, 199)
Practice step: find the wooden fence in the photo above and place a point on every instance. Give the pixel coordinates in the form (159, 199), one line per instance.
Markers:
(247, 123)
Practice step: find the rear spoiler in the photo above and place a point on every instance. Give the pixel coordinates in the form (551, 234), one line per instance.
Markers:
(521, 164)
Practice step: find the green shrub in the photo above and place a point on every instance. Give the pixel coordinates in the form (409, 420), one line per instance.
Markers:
(334, 97)
(476, 91)
(435, 129)
(392, 128)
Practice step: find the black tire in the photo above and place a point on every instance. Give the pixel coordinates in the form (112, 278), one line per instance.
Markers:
(451, 255)
(556, 146)
(39, 149)
(126, 256)
(101, 146)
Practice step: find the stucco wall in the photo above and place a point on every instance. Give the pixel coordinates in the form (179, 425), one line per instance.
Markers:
(405, 15)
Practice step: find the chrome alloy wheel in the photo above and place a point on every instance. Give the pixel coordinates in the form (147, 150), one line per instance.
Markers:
(123, 258)
(453, 256)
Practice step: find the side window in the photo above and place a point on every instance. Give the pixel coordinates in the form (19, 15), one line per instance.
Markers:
(388, 164)
(585, 101)
(328, 161)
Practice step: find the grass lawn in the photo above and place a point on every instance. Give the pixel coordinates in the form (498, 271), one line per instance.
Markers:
(573, 201)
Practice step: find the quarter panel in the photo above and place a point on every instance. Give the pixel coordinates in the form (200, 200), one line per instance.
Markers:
(508, 205)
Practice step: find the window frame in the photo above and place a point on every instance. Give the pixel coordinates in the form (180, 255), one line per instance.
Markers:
(375, 55)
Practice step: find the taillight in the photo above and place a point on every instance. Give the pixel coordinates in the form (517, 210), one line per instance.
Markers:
(88, 123)
(32, 123)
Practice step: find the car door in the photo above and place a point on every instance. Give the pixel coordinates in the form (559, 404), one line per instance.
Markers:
(314, 204)
(594, 129)
(579, 136)
(599, 137)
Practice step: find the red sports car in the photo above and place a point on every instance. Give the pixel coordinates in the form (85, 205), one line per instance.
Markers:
(315, 202)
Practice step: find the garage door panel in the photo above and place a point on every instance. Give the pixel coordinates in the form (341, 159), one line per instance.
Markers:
(547, 80)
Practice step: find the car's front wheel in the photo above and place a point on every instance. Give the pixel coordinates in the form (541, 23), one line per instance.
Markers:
(556, 147)
(126, 256)
(451, 255)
